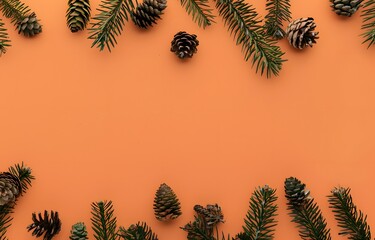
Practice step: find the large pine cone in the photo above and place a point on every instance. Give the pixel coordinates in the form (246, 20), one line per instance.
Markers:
(301, 33)
(166, 204)
(29, 26)
(345, 7)
(78, 14)
(295, 192)
(211, 214)
(49, 226)
(10, 188)
(78, 232)
(184, 45)
(147, 13)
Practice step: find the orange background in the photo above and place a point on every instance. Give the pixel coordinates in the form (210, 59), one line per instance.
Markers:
(94, 125)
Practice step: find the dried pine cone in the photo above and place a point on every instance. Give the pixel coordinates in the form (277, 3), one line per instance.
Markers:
(147, 13)
(166, 204)
(49, 226)
(345, 7)
(78, 232)
(78, 14)
(301, 33)
(10, 188)
(296, 192)
(29, 26)
(184, 45)
(212, 214)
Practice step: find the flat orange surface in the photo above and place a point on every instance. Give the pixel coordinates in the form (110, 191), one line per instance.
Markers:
(94, 125)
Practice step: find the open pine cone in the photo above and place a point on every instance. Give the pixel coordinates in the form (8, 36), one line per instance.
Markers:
(29, 26)
(296, 192)
(45, 225)
(345, 7)
(147, 13)
(10, 188)
(166, 204)
(184, 45)
(300, 33)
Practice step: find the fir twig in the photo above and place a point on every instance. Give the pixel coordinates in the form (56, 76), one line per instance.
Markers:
(104, 224)
(4, 39)
(139, 231)
(278, 11)
(352, 221)
(14, 9)
(368, 22)
(306, 213)
(109, 22)
(260, 219)
(244, 24)
(200, 11)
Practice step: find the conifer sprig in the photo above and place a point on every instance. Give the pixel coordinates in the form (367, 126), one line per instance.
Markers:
(368, 22)
(244, 24)
(14, 9)
(278, 11)
(139, 231)
(260, 219)
(200, 11)
(353, 222)
(104, 223)
(4, 39)
(109, 22)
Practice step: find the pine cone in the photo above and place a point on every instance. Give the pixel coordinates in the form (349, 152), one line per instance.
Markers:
(184, 45)
(301, 33)
(29, 26)
(78, 232)
(78, 14)
(345, 7)
(212, 214)
(166, 204)
(10, 188)
(47, 226)
(147, 13)
(295, 192)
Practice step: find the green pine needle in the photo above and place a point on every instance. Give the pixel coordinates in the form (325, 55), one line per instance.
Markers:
(352, 221)
(200, 11)
(278, 11)
(244, 24)
(139, 231)
(368, 22)
(4, 39)
(260, 219)
(109, 22)
(14, 9)
(104, 223)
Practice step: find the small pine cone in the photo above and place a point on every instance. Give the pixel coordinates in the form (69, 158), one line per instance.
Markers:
(300, 33)
(10, 188)
(29, 26)
(345, 7)
(184, 45)
(49, 226)
(78, 232)
(166, 204)
(147, 13)
(295, 192)
(212, 214)
(78, 14)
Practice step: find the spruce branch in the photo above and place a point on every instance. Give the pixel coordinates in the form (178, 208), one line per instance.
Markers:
(278, 11)
(139, 231)
(109, 22)
(368, 22)
(104, 224)
(260, 219)
(4, 39)
(352, 221)
(305, 212)
(244, 24)
(200, 11)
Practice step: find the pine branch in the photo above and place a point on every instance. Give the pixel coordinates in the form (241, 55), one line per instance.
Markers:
(139, 231)
(305, 212)
(278, 11)
(200, 11)
(14, 9)
(260, 219)
(244, 24)
(368, 22)
(352, 221)
(4, 39)
(104, 224)
(109, 22)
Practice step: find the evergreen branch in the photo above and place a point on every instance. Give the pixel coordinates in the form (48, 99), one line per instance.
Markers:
(5, 219)
(14, 9)
(200, 11)
(109, 22)
(368, 22)
(350, 220)
(4, 39)
(139, 231)
(260, 219)
(104, 224)
(244, 24)
(24, 175)
(278, 11)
